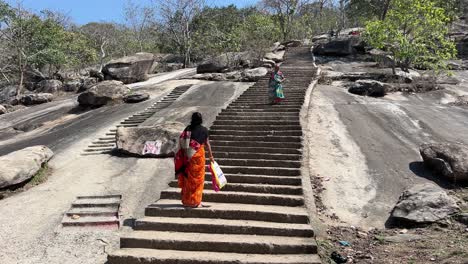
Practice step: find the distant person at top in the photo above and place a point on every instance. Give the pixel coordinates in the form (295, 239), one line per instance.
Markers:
(190, 161)
(275, 89)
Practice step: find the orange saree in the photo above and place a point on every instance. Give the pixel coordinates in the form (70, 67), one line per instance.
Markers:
(192, 185)
(190, 169)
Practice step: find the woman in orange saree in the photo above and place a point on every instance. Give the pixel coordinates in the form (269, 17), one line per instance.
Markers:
(190, 161)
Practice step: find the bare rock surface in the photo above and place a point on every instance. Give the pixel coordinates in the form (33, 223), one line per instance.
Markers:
(424, 203)
(103, 93)
(132, 140)
(130, 69)
(447, 160)
(275, 56)
(39, 98)
(22, 165)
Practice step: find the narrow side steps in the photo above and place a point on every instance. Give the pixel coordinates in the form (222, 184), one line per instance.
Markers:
(106, 143)
(259, 217)
(93, 211)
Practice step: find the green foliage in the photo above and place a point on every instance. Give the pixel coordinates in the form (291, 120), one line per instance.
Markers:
(259, 32)
(415, 32)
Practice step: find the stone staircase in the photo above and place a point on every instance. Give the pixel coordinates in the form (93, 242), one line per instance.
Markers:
(106, 143)
(259, 217)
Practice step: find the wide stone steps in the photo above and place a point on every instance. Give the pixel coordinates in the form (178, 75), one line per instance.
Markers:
(235, 211)
(258, 163)
(149, 256)
(247, 155)
(240, 197)
(253, 188)
(260, 179)
(259, 217)
(223, 226)
(297, 133)
(257, 244)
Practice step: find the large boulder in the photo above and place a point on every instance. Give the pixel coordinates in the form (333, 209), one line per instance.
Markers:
(447, 160)
(342, 46)
(103, 93)
(275, 56)
(462, 47)
(3, 110)
(253, 75)
(292, 43)
(423, 204)
(96, 74)
(7, 93)
(159, 140)
(211, 67)
(49, 86)
(22, 165)
(72, 86)
(136, 97)
(370, 88)
(227, 61)
(39, 98)
(87, 83)
(130, 69)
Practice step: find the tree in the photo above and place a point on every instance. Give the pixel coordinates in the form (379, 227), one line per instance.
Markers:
(139, 20)
(176, 20)
(415, 32)
(258, 33)
(285, 12)
(103, 38)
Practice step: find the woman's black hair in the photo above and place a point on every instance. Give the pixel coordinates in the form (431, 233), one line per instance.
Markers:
(197, 119)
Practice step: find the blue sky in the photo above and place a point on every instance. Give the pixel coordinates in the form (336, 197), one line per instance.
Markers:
(84, 11)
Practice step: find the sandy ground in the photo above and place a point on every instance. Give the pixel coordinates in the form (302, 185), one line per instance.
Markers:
(365, 150)
(30, 230)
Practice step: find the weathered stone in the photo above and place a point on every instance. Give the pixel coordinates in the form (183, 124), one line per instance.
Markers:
(253, 75)
(370, 88)
(103, 93)
(292, 43)
(96, 74)
(268, 63)
(276, 56)
(7, 93)
(462, 47)
(87, 84)
(463, 218)
(321, 37)
(22, 165)
(424, 203)
(342, 46)
(72, 86)
(211, 67)
(461, 101)
(226, 62)
(132, 140)
(129, 69)
(50, 86)
(136, 97)
(40, 98)
(409, 76)
(446, 160)
(3, 110)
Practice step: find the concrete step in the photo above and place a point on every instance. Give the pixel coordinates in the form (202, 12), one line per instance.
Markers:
(153, 256)
(91, 221)
(260, 179)
(254, 188)
(297, 133)
(258, 122)
(96, 202)
(276, 117)
(269, 128)
(253, 244)
(249, 155)
(223, 226)
(260, 162)
(258, 114)
(94, 149)
(94, 211)
(266, 109)
(273, 171)
(240, 197)
(242, 149)
(264, 138)
(293, 145)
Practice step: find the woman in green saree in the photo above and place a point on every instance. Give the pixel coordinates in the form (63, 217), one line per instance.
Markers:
(275, 89)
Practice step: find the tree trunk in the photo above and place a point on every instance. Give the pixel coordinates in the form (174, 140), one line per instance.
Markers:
(103, 55)
(385, 9)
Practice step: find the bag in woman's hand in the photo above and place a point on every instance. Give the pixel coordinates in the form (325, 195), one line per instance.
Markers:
(218, 179)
